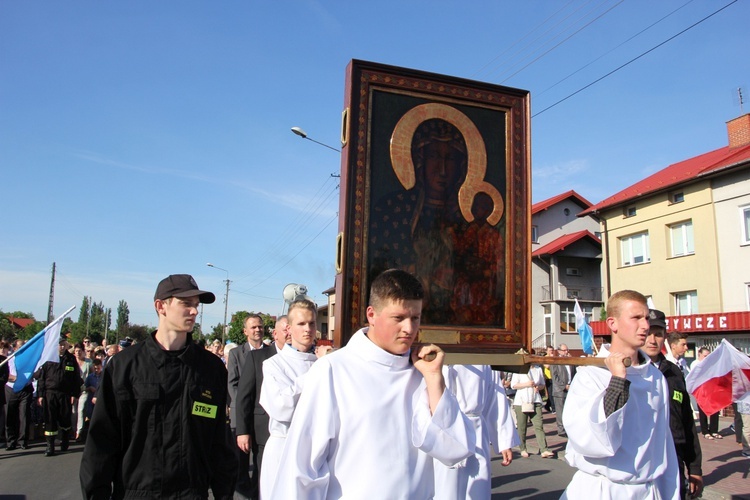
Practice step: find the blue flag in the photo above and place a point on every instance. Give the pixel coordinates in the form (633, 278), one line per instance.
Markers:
(584, 330)
(33, 354)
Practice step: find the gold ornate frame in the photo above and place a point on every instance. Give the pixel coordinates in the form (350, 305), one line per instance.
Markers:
(384, 105)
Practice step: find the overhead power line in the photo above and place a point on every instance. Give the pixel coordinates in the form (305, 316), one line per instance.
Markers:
(314, 207)
(537, 94)
(562, 41)
(632, 60)
(307, 243)
(524, 38)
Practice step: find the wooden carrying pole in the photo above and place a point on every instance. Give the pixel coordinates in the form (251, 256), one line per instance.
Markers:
(518, 362)
(556, 360)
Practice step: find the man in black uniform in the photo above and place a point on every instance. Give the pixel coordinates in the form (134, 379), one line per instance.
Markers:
(4, 374)
(18, 411)
(681, 421)
(58, 384)
(159, 427)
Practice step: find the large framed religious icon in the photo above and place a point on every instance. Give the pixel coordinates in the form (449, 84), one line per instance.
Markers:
(435, 181)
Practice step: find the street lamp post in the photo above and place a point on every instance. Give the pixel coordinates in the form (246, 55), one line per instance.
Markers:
(303, 134)
(226, 302)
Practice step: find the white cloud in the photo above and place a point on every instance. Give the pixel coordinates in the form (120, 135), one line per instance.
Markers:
(287, 198)
(553, 174)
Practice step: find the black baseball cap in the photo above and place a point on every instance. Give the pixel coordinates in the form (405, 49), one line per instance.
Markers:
(181, 286)
(657, 318)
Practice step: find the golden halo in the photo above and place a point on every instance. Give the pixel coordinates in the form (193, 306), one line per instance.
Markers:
(474, 184)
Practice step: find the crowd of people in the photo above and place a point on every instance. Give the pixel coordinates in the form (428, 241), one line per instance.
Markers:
(57, 401)
(167, 417)
(609, 443)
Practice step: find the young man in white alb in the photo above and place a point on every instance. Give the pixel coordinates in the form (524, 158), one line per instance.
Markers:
(617, 418)
(373, 414)
(283, 380)
(481, 397)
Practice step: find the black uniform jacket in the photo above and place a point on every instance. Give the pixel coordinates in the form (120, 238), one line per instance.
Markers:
(64, 376)
(4, 374)
(159, 427)
(681, 420)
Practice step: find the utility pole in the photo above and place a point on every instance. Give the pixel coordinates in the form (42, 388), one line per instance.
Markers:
(107, 320)
(201, 322)
(226, 305)
(226, 302)
(51, 304)
(88, 318)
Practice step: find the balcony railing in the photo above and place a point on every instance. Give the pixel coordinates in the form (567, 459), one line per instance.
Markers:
(563, 292)
(541, 342)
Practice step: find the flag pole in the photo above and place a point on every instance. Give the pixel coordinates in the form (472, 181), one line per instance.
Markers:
(59, 318)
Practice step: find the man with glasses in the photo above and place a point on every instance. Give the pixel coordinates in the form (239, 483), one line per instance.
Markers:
(562, 375)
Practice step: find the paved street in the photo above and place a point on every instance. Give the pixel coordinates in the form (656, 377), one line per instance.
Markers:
(28, 475)
(532, 477)
(726, 473)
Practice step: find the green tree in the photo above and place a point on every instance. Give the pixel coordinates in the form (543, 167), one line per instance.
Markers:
(237, 326)
(97, 321)
(31, 330)
(138, 333)
(123, 318)
(7, 331)
(197, 332)
(83, 312)
(10, 332)
(79, 329)
(67, 325)
(215, 332)
(20, 314)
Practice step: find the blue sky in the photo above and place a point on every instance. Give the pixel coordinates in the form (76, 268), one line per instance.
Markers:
(140, 139)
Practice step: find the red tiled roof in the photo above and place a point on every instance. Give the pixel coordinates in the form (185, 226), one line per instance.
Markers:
(676, 174)
(544, 205)
(20, 322)
(564, 241)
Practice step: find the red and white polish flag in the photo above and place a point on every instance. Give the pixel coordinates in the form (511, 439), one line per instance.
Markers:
(720, 379)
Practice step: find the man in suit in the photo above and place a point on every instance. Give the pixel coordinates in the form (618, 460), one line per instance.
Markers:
(561, 378)
(253, 331)
(251, 419)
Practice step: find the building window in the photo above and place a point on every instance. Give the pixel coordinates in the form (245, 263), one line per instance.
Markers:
(682, 239)
(535, 234)
(547, 318)
(629, 211)
(747, 295)
(634, 249)
(745, 215)
(568, 317)
(574, 294)
(686, 303)
(677, 197)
